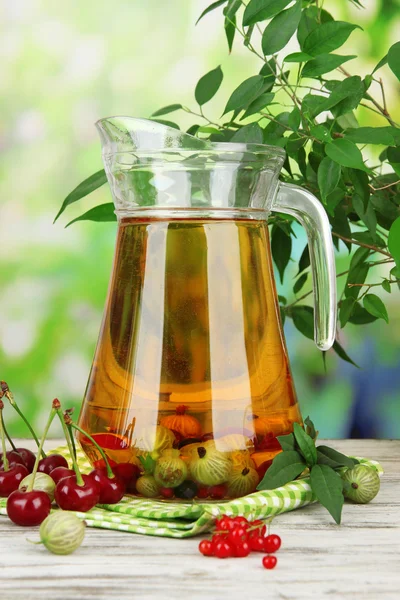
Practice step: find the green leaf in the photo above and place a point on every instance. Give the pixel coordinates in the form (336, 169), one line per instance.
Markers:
(394, 59)
(286, 441)
(368, 216)
(258, 104)
(285, 467)
(312, 105)
(321, 133)
(245, 93)
(340, 459)
(231, 8)
(345, 153)
(259, 10)
(310, 428)
(381, 63)
(208, 86)
(230, 30)
(295, 119)
(360, 181)
(193, 129)
(374, 305)
(251, 133)
(329, 173)
(104, 213)
(279, 31)
(306, 445)
(386, 286)
(304, 261)
(357, 275)
(212, 6)
(393, 156)
(300, 283)
(83, 189)
(311, 17)
(323, 64)
(148, 463)
(303, 320)
(346, 308)
(340, 224)
(167, 109)
(345, 96)
(394, 241)
(297, 57)
(371, 135)
(167, 123)
(333, 199)
(328, 487)
(360, 316)
(342, 354)
(327, 37)
(281, 246)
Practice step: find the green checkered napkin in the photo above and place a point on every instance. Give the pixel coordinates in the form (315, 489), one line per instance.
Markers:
(181, 519)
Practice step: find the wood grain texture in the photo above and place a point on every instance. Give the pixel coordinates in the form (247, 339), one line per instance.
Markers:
(318, 559)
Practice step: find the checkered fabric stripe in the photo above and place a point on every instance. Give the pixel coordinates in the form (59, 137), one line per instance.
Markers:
(182, 520)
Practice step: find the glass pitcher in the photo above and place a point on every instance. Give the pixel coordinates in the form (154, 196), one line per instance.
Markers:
(190, 381)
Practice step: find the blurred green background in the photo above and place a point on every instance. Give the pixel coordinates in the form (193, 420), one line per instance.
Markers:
(63, 66)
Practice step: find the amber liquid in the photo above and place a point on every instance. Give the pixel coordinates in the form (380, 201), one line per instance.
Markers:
(192, 319)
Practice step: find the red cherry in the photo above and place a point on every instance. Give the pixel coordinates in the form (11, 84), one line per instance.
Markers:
(10, 480)
(217, 492)
(167, 492)
(223, 550)
(269, 562)
(14, 458)
(225, 523)
(28, 457)
(206, 548)
(46, 465)
(60, 472)
(203, 492)
(28, 508)
(126, 471)
(238, 535)
(111, 489)
(131, 486)
(256, 543)
(272, 543)
(242, 549)
(71, 496)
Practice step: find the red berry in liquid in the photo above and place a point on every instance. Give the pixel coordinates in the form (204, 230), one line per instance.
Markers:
(206, 548)
(28, 508)
(203, 492)
(71, 496)
(60, 473)
(223, 550)
(111, 489)
(167, 493)
(242, 549)
(28, 457)
(272, 543)
(46, 465)
(10, 480)
(126, 471)
(269, 562)
(217, 492)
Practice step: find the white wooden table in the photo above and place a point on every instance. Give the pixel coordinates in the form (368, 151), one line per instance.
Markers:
(358, 560)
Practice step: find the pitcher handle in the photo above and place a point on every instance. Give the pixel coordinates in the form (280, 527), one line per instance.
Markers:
(305, 208)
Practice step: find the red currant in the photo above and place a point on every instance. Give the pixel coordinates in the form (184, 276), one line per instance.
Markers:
(223, 550)
(167, 492)
(225, 523)
(241, 521)
(242, 549)
(257, 543)
(206, 547)
(269, 562)
(237, 535)
(217, 492)
(272, 543)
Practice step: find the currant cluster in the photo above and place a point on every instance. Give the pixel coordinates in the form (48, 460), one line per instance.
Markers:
(237, 537)
(31, 483)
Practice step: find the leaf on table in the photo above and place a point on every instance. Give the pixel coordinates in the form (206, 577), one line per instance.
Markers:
(306, 445)
(310, 428)
(83, 189)
(287, 442)
(285, 467)
(328, 487)
(340, 459)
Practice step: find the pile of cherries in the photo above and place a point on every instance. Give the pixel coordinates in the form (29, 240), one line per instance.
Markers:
(237, 537)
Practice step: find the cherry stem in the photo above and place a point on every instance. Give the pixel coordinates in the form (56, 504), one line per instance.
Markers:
(71, 435)
(110, 473)
(15, 406)
(78, 475)
(7, 434)
(6, 466)
(40, 450)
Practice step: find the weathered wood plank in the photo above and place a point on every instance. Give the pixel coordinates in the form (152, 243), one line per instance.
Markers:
(318, 559)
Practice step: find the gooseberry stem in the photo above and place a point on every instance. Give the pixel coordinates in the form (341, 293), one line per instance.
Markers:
(110, 473)
(3, 439)
(41, 443)
(78, 475)
(7, 434)
(10, 396)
